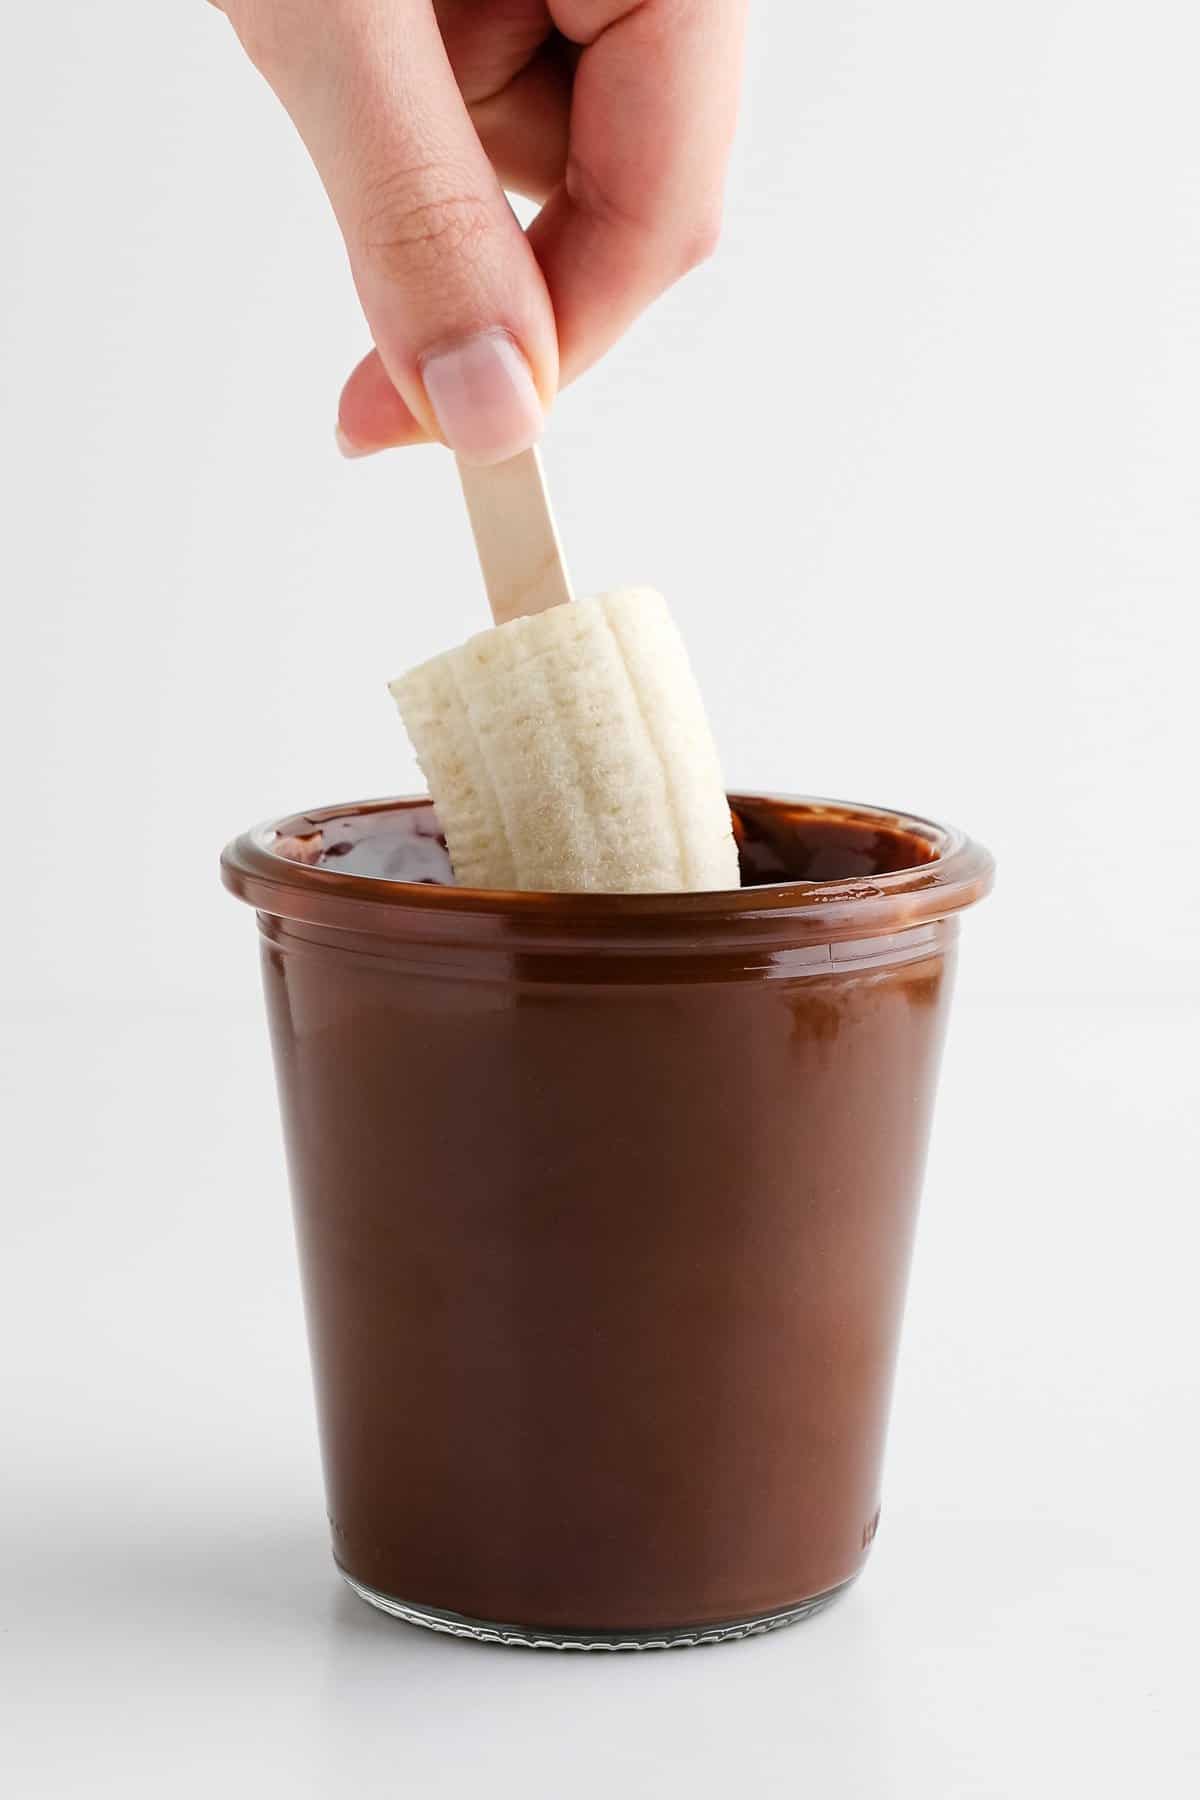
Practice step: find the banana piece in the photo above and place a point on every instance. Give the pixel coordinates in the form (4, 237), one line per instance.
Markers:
(569, 751)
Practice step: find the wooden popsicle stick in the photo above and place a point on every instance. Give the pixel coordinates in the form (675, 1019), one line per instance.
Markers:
(522, 560)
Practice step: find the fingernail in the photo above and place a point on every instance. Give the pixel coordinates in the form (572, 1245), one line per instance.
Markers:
(483, 395)
(348, 447)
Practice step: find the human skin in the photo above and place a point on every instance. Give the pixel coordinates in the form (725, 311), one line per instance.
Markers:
(616, 115)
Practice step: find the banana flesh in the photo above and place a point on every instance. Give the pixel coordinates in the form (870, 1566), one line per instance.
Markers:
(570, 752)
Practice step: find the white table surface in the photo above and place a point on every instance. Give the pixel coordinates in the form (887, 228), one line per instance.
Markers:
(172, 1625)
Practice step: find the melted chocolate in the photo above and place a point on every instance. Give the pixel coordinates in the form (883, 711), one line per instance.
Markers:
(776, 841)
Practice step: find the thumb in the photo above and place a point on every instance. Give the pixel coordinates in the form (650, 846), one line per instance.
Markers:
(452, 292)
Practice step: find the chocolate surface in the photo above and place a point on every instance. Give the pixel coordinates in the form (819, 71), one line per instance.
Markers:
(777, 842)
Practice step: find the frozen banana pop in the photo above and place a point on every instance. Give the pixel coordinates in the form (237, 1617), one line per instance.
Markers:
(568, 749)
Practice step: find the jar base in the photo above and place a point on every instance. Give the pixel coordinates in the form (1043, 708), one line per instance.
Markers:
(531, 1637)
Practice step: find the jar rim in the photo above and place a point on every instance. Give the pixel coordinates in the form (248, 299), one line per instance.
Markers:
(958, 873)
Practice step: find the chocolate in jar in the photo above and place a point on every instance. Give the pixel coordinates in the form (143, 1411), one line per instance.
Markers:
(605, 1207)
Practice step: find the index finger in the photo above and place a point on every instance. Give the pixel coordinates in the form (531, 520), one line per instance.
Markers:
(652, 121)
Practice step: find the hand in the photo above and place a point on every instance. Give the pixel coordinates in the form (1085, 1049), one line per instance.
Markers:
(618, 114)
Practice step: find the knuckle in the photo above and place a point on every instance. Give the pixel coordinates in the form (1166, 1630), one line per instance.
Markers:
(700, 241)
(598, 197)
(403, 227)
(677, 238)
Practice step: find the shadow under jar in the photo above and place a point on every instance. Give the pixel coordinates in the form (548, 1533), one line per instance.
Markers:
(604, 1207)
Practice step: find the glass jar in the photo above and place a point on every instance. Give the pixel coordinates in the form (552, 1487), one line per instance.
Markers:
(604, 1207)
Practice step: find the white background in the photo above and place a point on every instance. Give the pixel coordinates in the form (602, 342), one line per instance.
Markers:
(916, 460)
